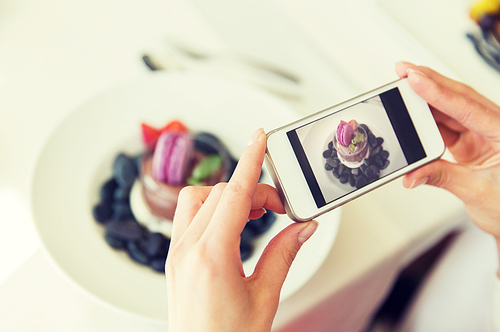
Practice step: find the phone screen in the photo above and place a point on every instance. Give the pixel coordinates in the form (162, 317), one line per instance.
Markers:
(346, 150)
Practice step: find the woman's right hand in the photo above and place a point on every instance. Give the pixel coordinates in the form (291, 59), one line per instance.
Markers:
(470, 126)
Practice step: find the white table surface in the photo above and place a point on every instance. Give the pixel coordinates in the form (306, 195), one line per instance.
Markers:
(56, 54)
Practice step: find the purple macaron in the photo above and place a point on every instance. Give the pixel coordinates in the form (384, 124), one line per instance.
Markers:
(344, 133)
(171, 156)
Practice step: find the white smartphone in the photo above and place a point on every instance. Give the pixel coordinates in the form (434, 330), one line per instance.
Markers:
(329, 158)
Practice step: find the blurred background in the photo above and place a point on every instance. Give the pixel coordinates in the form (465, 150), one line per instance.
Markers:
(311, 54)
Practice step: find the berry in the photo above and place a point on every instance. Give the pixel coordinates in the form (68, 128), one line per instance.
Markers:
(334, 162)
(372, 172)
(327, 154)
(149, 135)
(341, 169)
(121, 194)
(247, 234)
(135, 252)
(372, 140)
(261, 225)
(378, 161)
(384, 154)
(175, 126)
(107, 190)
(155, 245)
(125, 230)
(114, 242)
(208, 144)
(361, 181)
(352, 180)
(121, 211)
(158, 264)
(376, 150)
(124, 170)
(246, 250)
(102, 212)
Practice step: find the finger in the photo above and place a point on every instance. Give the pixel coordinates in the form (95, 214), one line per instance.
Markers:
(455, 178)
(273, 266)
(257, 213)
(457, 87)
(447, 120)
(190, 200)
(267, 197)
(235, 203)
(450, 137)
(402, 69)
(468, 112)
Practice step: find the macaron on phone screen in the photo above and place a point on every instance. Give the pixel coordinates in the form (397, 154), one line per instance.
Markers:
(351, 148)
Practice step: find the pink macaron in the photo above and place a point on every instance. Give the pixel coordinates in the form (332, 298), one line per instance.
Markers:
(344, 133)
(172, 153)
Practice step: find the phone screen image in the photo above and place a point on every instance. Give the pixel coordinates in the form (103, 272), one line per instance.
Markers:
(346, 150)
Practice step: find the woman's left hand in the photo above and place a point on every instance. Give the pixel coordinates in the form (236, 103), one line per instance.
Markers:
(207, 288)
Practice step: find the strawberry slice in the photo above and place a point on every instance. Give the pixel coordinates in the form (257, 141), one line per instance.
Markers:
(354, 124)
(149, 135)
(175, 126)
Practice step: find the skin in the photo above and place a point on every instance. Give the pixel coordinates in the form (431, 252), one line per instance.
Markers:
(470, 126)
(207, 288)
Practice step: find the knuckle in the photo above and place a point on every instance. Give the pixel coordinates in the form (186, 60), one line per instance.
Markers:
(237, 185)
(219, 187)
(442, 180)
(188, 193)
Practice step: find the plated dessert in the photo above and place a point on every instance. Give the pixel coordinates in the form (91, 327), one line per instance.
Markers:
(355, 155)
(137, 204)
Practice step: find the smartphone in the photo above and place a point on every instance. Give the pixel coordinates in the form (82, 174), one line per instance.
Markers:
(331, 157)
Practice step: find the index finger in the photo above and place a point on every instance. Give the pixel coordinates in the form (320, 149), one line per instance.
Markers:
(235, 203)
(456, 86)
(459, 103)
(468, 112)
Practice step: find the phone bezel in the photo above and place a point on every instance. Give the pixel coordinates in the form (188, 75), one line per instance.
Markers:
(287, 174)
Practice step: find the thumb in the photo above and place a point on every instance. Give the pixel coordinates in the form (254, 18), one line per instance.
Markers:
(277, 258)
(453, 177)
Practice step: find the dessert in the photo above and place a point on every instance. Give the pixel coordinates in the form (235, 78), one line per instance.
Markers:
(351, 143)
(355, 156)
(137, 204)
(180, 159)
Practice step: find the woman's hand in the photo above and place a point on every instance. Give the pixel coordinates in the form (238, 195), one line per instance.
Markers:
(470, 126)
(207, 288)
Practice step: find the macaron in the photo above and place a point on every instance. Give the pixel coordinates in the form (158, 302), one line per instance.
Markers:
(179, 158)
(170, 158)
(344, 133)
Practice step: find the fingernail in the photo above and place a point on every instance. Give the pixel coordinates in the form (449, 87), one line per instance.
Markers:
(419, 182)
(418, 72)
(403, 63)
(307, 231)
(255, 136)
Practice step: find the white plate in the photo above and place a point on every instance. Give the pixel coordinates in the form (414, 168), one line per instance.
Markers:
(77, 159)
